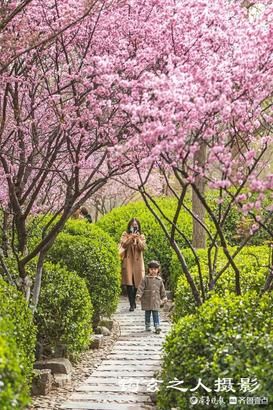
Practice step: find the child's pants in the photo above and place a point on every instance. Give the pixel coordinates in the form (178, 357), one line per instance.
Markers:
(155, 314)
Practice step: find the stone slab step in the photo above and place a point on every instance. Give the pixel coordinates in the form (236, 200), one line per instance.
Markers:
(140, 357)
(159, 340)
(110, 380)
(119, 381)
(139, 324)
(145, 348)
(125, 367)
(138, 333)
(124, 362)
(136, 342)
(120, 397)
(122, 373)
(105, 388)
(105, 406)
(135, 354)
(122, 319)
(137, 319)
(147, 352)
(150, 339)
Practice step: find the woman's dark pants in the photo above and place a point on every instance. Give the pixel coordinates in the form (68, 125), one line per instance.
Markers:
(131, 292)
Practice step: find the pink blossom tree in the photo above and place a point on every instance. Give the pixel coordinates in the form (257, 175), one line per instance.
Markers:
(198, 77)
(59, 118)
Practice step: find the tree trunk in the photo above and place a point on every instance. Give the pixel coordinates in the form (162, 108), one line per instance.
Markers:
(198, 232)
(38, 281)
(5, 239)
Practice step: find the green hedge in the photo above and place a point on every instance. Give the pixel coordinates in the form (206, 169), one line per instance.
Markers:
(14, 308)
(92, 254)
(158, 246)
(251, 263)
(230, 337)
(64, 313)
(13, 382)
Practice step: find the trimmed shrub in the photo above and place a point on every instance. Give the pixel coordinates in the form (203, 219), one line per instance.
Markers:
(92, 254)
(12, 266)
(13, 383)
(158, 247)
(230, 337)
(64, 313)
(253, 271)
(14, 309)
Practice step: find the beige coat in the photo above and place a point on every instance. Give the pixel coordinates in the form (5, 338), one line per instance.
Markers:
(151, 291)
(133, 263)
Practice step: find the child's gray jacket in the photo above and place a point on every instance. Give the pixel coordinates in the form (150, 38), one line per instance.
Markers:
(151, 291)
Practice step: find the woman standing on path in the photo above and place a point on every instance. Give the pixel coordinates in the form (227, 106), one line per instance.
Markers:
(132, 244)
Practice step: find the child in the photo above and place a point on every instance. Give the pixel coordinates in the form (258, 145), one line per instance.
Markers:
(151, 291)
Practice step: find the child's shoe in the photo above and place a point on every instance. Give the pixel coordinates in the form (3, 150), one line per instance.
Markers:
(157, 330)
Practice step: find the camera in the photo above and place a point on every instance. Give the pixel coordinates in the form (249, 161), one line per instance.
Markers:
(135, 229)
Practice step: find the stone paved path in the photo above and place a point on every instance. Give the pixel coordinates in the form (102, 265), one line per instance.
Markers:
(121, 380)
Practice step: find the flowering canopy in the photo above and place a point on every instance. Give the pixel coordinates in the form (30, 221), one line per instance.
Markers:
(56, 121)
(150, 78)
(89, 87)
(194, 74)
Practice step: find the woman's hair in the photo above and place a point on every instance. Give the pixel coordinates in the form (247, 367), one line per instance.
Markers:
(84, 210)
(130, 223)
(154, 264)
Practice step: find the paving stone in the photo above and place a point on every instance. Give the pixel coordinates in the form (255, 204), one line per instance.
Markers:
(121, 380)
(104, 388)
(144, 346)
(106, 323)
(106, 406)
(102, 330)
(61, 380)
(147, 341)
(146, 352)
(111, 381)
(139, 356)
(133, 368)
(58, 365)
(96, 341)
(42, 382)
(119, 397)
(124, 373)
(143, 341)
(124, 362)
